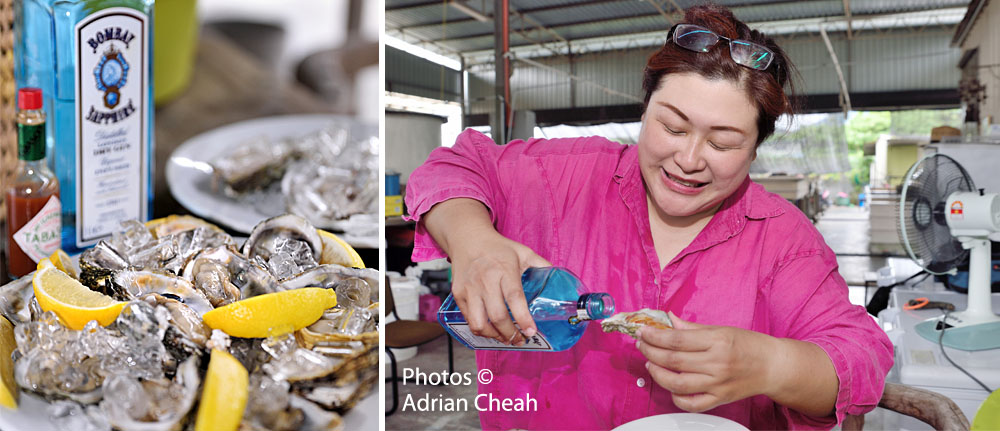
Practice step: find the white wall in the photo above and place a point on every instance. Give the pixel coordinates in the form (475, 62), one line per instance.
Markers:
(409, 139)
(985, 34)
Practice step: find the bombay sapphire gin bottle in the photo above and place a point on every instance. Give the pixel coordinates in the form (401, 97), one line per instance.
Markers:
(99, 65)
(560, 312)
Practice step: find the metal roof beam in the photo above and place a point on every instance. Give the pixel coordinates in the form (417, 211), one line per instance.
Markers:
(570, 24)
(844, 93)
(660, 10)
(876, 24)
(533, 10)
(847, 14)
(412, 6)
(827, 18)
(421, 41)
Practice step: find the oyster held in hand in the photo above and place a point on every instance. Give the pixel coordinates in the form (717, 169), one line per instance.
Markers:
(629, 322)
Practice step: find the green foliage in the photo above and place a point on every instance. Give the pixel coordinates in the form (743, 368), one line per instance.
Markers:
(865, 127)
(862, 128)
(919, 122)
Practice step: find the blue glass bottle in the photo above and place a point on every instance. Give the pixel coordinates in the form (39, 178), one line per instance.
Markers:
(560, 312)
(94, 57)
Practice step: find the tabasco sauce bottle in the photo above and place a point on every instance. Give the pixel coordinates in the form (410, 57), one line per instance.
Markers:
(33, 207)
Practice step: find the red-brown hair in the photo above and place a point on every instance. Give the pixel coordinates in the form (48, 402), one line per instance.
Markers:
(766, 88)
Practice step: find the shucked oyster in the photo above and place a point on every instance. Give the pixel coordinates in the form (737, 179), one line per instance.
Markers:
(264, 238)
(250, 166)
(629, 322)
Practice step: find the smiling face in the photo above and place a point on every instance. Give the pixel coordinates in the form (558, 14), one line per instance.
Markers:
(697, 141)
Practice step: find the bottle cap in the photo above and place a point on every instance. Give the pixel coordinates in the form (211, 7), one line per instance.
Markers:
(29, 98)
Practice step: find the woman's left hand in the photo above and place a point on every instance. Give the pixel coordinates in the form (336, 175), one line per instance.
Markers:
(706, 366)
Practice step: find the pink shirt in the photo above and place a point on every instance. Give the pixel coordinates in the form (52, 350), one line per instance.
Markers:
(759, 264)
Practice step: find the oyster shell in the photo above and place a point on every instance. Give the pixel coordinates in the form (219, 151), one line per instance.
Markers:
(137, 284)
(247, 277)
(252, 165)
(263, 238)
(629, 322)
(151, 405)
(330, 275)
(15, 297)
(186, 333)
(175, 224)
(98, 265)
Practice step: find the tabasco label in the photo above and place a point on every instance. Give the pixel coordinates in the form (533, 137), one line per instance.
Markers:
(41, 236)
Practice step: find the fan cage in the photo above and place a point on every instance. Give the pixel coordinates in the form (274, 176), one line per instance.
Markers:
(921, 223)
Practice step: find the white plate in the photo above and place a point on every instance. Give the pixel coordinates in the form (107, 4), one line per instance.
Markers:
(189, 175)
(32, 415)
(682, 421)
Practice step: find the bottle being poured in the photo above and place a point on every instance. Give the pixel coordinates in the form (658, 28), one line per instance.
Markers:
(559, 310)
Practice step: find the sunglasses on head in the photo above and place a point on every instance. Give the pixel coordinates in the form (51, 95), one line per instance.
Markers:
(699, 39)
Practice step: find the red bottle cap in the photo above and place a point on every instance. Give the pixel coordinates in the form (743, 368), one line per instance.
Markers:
(29, 98)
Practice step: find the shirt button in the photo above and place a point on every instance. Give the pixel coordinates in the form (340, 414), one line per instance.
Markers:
(641, 382)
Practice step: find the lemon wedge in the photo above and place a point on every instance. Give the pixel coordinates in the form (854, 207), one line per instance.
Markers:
(225, 394)
(73, 302)
(272, 313)
(335, 250)
(8, 389)
(62, 261)
(44, 263)
(172, 224)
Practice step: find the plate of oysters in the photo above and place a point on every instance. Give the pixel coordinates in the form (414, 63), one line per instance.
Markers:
(319, 166)
(172, 324)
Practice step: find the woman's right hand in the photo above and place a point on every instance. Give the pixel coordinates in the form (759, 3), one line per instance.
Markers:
(486, 280)
(486, 270)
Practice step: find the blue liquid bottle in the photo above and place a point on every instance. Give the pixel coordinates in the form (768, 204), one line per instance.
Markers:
(94, 57)
(560, 312)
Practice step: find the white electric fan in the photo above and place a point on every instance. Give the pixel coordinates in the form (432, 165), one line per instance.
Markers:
(943, 219)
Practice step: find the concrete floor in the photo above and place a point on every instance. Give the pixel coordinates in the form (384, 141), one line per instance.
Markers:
(845, 230)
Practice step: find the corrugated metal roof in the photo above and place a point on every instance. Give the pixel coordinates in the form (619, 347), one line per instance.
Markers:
(863, 7)
(453, 30)
(896, 46)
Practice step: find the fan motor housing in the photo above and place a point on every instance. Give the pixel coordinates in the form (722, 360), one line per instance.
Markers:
(972, 213)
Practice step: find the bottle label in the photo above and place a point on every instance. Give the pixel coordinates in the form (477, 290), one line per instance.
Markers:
(581, 310)
(41, 236)
(112, 81)
(537, 342)
(31, 142)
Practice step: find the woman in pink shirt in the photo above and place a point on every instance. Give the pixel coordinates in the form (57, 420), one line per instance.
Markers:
(764, 332)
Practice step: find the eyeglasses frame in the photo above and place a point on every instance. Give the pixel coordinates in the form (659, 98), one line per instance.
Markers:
(672, 36)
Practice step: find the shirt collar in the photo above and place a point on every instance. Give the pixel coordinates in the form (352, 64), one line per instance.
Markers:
(749, 202)
(628, 165)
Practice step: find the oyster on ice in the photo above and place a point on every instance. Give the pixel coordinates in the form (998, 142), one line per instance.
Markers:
(14, 300)
(205, 270)
(153, 404)
(144, 370)
(137, 284)
(629, 322)
(264, 238)
(251, 166)
(175, 224)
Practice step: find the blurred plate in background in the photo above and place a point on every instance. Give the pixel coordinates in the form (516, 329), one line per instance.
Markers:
(189, 174)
